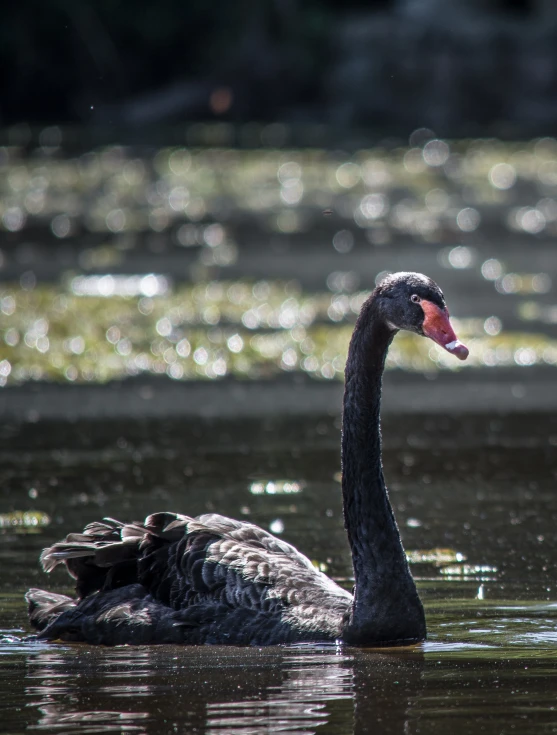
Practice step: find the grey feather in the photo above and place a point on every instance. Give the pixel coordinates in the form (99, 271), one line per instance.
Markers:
(205, 579)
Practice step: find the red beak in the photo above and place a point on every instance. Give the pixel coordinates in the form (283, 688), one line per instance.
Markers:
(437, 327)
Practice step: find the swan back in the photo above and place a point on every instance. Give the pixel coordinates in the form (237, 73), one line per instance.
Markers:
(213, 579)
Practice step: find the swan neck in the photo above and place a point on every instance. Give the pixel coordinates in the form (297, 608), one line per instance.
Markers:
(386, 603)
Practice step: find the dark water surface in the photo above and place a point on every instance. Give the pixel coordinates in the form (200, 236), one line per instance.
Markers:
(476, 505)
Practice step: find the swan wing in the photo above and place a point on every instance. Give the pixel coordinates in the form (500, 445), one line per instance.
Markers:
(205, 569)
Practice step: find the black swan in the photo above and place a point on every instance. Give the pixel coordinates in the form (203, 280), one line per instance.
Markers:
(213, 580)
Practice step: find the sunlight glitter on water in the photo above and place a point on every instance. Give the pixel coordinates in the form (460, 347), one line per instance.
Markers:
(485, 659)
(294, 689)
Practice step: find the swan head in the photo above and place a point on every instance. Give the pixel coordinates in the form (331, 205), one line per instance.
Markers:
(414, 302)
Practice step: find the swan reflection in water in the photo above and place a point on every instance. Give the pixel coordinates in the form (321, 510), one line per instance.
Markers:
(299, 704)
(153, 690)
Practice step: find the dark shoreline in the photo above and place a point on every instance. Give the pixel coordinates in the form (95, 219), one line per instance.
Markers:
(500, 392)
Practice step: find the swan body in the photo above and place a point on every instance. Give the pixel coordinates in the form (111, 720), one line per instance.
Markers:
(177, 579)
(214, 580)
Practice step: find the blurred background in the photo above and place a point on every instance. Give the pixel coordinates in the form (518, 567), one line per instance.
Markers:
(460, 67)
(203, 192)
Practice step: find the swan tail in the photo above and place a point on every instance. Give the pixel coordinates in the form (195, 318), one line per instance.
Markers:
(105, 555)
(45, 607)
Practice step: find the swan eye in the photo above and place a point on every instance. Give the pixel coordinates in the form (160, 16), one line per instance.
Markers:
(415, 298)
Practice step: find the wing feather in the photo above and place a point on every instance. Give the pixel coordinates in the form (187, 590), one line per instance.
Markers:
(202, 564)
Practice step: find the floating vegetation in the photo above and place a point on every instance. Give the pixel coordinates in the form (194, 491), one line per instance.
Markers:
(435, 556)
(211, 330)
(422, 191)
(531, 311)
(24, 521)
(276, 487)
(100, 323)
(107, 286)
(466, 572)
